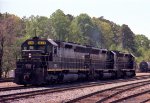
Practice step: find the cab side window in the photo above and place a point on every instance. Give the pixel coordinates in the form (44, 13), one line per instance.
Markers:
(49, 49)
(55, 50)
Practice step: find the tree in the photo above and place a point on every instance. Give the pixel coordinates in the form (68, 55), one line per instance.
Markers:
(86, 26)
(9, 28)
(2, 40)
(60, 25)
(97, 34)
(142, 41)
(128, 38)
(107, 32)
(44, 27)
(75, 33)
(142, 44)
(85, 31)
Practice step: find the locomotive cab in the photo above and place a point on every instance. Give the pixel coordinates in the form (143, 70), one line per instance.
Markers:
(32, 66)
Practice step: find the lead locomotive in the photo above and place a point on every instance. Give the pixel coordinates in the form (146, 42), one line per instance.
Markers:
(46, 61)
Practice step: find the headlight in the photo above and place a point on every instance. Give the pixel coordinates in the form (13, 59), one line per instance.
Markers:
(30, 55)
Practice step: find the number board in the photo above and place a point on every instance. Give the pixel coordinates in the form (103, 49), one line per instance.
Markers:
(30, 42)
(41, 43)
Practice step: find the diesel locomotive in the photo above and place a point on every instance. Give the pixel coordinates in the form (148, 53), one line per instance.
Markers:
(144, 66)
(47, 61)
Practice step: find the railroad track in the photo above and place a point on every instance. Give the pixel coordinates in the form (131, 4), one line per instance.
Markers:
(6, 80)
(11, 79)
(94, 84)
(145, 101)
(131, 97)
(107, 94)
(4, 98)
(15, 88)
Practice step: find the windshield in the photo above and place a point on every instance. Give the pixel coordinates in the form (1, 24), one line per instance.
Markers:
(38, 47)
(41, 47)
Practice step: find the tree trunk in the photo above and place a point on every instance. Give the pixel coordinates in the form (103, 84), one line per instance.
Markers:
(0, 63)
(1, 55)
(0, 69)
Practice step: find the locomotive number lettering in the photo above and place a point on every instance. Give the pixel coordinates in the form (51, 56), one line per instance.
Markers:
(41, 42)
(30, 42)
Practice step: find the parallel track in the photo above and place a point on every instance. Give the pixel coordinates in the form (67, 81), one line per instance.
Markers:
(5, 98)
(131, 87)
(14, 88)
(147, 100)
(86, 83)
(101, 92)
(132, 96)
(6, 80)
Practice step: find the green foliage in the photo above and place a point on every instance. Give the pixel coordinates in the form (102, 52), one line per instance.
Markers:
(85, 31)
(128, 38)
(106, 33)
(60, 25)
(97, 32)
(142, 44)
(83, 26)
(143, 54)
(41, 24)
(75, 33)
(142, 41)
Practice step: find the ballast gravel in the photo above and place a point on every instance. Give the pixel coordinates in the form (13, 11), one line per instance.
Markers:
(64, 96)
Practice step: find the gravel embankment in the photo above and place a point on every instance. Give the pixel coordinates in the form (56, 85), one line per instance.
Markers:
(7, 84)
(59, 97)
(140, 74)
(67, 95)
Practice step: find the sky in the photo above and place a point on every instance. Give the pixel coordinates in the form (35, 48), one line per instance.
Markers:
(134, 13)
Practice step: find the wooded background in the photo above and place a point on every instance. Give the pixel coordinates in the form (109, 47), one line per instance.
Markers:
(83, 29)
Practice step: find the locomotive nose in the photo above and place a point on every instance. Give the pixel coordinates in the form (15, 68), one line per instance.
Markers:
(28, 66)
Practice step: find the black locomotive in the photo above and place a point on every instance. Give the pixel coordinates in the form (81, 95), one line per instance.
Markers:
(47, 61)
(144, 66)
